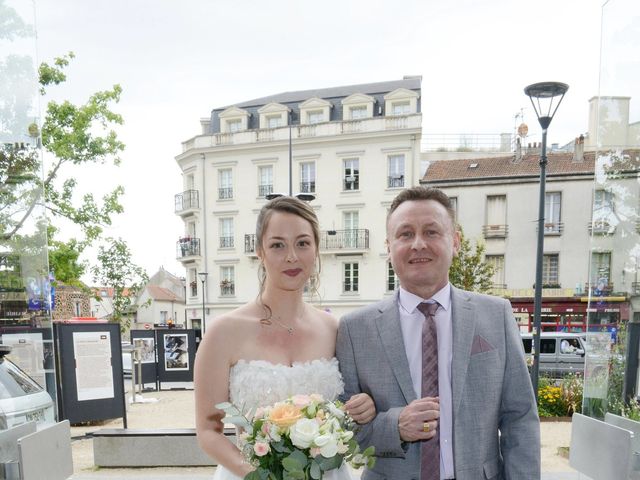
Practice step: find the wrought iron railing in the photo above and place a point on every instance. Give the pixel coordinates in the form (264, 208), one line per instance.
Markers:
(187, 247)
(186, 200)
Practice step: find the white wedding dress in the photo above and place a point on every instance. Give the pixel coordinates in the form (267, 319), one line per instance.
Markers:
(258, 383)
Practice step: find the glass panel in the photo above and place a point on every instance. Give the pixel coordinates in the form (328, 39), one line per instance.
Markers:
(26, 292)
(614, 138)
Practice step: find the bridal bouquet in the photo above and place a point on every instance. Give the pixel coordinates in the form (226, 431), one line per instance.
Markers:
(300, 438)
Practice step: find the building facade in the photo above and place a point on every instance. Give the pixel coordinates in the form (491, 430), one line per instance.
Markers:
(352, 147)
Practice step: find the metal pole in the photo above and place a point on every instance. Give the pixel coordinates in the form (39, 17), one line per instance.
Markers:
(290, 162)
(537, 303)
(203, 319)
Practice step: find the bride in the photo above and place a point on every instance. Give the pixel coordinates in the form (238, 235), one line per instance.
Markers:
(274, 347)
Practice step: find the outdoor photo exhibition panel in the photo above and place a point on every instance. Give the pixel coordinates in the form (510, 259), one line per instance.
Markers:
(90, 360)
(146, 341)
(176, 354)
(32, 351)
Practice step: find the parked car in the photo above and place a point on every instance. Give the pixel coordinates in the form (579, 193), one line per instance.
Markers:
(126, 359)
(22, 400)
(560, 353)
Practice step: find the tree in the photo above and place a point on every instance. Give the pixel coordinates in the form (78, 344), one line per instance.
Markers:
(117, 271)
(468, 269)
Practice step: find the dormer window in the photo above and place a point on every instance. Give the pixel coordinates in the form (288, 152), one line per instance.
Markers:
(315, 110)
(273, 115)
(233, 119)
(357, 106)
(234, 125)
(401, 102)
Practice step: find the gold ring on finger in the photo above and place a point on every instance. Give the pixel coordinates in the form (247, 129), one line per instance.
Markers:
(425, 427)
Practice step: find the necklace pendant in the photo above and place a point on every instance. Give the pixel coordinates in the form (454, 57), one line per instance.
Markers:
(290, 330)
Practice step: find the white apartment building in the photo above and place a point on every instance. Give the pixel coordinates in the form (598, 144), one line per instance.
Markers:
(352, 147)
(591, 221)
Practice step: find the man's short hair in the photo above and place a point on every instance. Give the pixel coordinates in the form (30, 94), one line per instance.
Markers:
(423, 193)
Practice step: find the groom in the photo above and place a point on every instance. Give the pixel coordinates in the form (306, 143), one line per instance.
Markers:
(468, 412)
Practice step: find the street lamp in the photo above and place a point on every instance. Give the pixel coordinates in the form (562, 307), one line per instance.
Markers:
(203, 279)
(544, 94)
(305, 197)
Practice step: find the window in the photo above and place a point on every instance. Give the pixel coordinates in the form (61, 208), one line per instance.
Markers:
(265, 180)
(274, 121)
(308, 177)
(496, 225)
(315, 116)
(453, 201)
(226, 233)
(392, 278)
(164, 316)
(602, 210)
(600, 272)
(497, 262)
(552, 212)
(350, 225)
(78, 308)
(234, 125)
(550, 270)
(225, 187)
(396, 171)
(227, 281)
(358, 112)
(351, 174)
(401, 108)
(350, 280)
(193, 282)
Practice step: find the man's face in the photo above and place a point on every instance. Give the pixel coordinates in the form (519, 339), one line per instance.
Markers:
(422, 241)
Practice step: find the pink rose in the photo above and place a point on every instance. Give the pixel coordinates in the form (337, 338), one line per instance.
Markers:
(314, 452)
(301, 401)
(261, 448)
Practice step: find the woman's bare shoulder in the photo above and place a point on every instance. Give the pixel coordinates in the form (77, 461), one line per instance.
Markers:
(324, 318)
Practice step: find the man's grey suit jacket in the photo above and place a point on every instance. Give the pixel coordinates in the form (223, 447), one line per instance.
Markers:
(496, 430)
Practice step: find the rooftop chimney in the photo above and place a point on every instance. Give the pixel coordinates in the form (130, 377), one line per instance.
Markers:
(578, 150)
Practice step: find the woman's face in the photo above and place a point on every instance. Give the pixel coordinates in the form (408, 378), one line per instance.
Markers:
(288, 251)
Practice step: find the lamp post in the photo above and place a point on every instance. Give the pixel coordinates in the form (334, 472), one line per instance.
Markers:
(544, 94)
(203, 279)
(306, 197)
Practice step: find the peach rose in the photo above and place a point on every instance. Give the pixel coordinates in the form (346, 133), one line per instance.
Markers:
(301, 401)
(284, 415)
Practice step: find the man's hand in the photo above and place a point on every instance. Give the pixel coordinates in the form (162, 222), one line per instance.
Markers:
(361, 408)
(413, 417)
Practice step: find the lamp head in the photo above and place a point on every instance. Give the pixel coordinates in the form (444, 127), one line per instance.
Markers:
(544, 94)
(203, 276)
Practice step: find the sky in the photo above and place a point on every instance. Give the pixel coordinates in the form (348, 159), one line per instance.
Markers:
(177, 60)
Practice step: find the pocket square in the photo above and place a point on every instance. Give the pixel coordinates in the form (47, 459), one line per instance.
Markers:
(480, 345)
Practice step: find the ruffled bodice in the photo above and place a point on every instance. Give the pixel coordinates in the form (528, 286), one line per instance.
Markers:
(258, 383)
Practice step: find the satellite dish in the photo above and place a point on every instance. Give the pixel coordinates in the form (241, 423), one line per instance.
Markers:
(523, 130)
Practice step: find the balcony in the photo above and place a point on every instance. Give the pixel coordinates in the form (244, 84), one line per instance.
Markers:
(395, 181)
(250, 244)
(186, 202)
(553, 228)
(495, 231)
(599, 289)
(225, 193)
(332, 241)
(281, 134)
(264, 190)
(601, 227)
(307, 187)
(635, 288)
(226, 242)
(187, 247)
(227, 288)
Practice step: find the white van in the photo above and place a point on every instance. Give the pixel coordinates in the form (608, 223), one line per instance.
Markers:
(560, 352)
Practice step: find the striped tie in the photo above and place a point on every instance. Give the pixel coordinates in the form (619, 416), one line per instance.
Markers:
(430, 456)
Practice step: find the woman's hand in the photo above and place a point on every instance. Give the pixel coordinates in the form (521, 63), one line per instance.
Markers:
(361, 408)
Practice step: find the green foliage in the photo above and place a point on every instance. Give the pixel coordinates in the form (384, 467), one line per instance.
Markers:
(468, 269)
(559, 398)
(116, 269)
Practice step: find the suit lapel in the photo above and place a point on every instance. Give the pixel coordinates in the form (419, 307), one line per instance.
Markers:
(464, 320)
(388, 323)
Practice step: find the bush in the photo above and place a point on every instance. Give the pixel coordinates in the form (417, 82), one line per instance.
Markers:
(559, 398)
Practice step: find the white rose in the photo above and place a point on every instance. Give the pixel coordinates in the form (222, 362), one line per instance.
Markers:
(303, 432)
(274, 434)
(330, 449)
